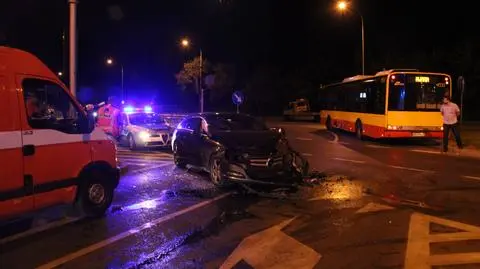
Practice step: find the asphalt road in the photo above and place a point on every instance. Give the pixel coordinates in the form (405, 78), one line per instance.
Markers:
(397, 204)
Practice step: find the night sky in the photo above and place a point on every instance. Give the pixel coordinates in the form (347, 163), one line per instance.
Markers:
(304, 36)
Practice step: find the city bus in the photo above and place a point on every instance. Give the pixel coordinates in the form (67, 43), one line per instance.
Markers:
(397, 103)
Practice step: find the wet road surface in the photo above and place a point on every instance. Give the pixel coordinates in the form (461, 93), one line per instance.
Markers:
(383, 205)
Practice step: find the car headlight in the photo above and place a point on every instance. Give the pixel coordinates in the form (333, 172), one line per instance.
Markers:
(143, 135)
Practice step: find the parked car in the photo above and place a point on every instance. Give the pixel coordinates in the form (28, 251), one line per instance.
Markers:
(235, 148)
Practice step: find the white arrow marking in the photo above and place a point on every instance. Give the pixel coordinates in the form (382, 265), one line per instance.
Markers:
(373, 207)
(273, 249)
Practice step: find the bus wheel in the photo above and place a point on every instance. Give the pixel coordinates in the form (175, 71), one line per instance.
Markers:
(359, 130)
(328, 123)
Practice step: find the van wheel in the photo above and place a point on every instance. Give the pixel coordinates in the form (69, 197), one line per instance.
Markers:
(131, 142)
(95, 193)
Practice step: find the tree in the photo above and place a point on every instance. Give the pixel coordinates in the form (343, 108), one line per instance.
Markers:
(223, 81)
(190, 73)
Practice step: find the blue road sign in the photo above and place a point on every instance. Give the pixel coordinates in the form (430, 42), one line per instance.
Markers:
(238, 98)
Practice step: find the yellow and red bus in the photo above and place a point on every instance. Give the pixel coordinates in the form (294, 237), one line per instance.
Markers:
(397, 103)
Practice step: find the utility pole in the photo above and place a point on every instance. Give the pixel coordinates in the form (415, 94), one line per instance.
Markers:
(73, 46)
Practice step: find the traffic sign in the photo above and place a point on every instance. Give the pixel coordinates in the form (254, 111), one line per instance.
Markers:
(238, 98)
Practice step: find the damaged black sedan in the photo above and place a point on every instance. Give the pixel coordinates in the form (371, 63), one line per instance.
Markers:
(237, 148)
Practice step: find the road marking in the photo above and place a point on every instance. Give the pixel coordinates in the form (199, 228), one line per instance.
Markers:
(377, 146)
(425, 151)
(303, 138)
(143, 161)
(373, 207)
(307, 154)
(136, 171)
(348, 160)
(43, 228)
(419, 240)
(149, 155)
(262, 250)
(470, 177)
(335, 137)
(82, 252)
(408, 168)
(339, 142)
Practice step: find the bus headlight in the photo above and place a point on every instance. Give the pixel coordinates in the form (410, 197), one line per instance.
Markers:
(143, 135)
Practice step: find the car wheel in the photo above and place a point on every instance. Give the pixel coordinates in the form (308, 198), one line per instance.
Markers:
(131, 142)
(95, 193)
(179, 162)
(216, 171)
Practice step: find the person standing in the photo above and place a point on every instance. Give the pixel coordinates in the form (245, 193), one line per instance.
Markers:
(450, 113)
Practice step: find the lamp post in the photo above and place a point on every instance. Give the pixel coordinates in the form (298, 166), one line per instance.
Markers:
(342, 6)
(186, 43)
(73, 46)
(110, 62)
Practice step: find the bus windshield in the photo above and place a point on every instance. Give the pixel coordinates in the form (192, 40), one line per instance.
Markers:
(417, 92)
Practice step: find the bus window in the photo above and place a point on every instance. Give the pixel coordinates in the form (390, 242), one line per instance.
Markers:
(416, 92)
(375, 90)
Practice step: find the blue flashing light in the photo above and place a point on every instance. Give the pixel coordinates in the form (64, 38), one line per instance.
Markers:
(148, 109)
(128, 109)
(123, 102)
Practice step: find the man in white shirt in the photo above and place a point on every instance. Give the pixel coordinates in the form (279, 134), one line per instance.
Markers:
(450, 113)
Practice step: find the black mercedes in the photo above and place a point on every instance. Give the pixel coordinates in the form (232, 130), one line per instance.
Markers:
(234, 148)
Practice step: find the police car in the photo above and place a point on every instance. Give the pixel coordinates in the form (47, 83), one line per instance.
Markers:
(143, 128)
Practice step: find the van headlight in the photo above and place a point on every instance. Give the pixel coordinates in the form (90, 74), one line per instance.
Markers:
(143, 135)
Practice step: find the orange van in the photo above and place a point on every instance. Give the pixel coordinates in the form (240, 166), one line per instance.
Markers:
(50, 151)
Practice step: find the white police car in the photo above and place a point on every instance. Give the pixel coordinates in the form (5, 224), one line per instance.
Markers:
(142, 128)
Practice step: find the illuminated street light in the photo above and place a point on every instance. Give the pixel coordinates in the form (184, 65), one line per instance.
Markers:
(60, 74)
(186, 43)
(343, 6)
(110, 61)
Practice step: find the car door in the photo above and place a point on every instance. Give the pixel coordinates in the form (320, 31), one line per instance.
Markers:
(15, 192)
(192, 136)
(54, 149)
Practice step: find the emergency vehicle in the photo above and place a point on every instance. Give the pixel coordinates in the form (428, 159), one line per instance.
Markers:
(143, 128)
(50, 151)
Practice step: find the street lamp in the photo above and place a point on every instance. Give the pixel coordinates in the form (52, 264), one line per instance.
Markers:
(343, 6)
(110, 62)
(186, 43)
(60, 74)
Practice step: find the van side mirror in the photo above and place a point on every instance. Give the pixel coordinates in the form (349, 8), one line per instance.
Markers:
(87, 124)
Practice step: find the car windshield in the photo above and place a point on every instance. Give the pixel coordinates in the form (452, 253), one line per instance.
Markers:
(146, 118)
(234, 122)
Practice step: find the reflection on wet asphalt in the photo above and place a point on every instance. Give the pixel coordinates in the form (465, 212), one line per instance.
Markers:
(355, 214)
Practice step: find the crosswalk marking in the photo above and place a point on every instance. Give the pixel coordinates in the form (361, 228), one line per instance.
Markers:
(146, 160)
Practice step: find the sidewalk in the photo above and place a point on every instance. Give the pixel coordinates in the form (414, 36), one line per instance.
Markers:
(470, 133)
